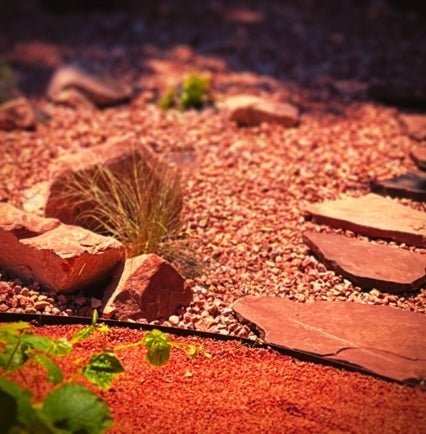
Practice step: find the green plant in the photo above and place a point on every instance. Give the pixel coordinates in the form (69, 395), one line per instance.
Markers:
(139, 206)
(70, 407)
(7, 82)
(193, 92)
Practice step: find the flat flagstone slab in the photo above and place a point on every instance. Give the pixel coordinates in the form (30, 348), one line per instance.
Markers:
(369, 265)
(411, 186)
(374, 216)
(415, 125)
(418, 155)
(380, 339)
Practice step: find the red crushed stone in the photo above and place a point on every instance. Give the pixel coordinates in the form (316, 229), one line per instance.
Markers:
(245, 390)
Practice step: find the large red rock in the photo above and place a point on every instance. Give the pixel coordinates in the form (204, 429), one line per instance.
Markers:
(250, 110)
(418, 155)
(414, 124)
(146, 287)
(369, 265)
(99, 88)
(60, 257)
(54, 197)
(411, 186)
(17, 114)
(374, 216)
(379, 339)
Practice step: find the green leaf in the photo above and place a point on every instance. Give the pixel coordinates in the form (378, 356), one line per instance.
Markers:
(73, 408)
(82, 334)
(102, 369)
(192, 350)
(158, 346)
(15, 406)
(11, 332)
(54, 372)
(14, 356)
(95, 317)
(53, 347)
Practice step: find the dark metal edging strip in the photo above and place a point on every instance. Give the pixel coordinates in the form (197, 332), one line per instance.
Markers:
(45, 320)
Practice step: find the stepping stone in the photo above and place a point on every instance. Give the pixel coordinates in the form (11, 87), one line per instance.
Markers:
(250, 110)
(146, 286)
(369, 265)
(410, 185)
(415, 125)
(99, 88)
(418, 155)
(17, 114)
(374, 216)
(378, 339)
(60, 257)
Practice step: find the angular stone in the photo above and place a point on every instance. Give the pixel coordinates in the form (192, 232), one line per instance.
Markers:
(97, 87)
(410, 185)
(374, 216)
(250, 110)
(418, 155)
(23, 224)
(117, 157)
(378, 339)
(60, 257)
(146, 287)
(17, 114)
(369, 265)
(74, 98)
(415, 125)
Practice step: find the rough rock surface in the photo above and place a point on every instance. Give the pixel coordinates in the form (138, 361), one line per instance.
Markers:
(146, 287)
(374, 216)
(369, 265)
(418, 155)
(61, 257)
(117, 157)
(410, 185)
(250, 110)
(415, 125)
(100, 89)
(17, 114)
(379, 339)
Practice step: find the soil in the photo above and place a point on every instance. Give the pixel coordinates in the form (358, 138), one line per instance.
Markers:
(242, 389)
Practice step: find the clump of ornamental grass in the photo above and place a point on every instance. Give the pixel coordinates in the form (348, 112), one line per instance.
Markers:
(138, 205)
(7, 82)
(194, 92)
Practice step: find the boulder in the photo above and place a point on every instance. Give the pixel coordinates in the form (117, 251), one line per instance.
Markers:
(410, 185)
(418, 155)
(146, 287)
(414, 125)
(55, 198)
(99, 88)
(374, 216)
(378, 339)
(369, 265)
(17, 114)
(60, 257)
(250, 110)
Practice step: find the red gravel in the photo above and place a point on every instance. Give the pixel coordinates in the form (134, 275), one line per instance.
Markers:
(245, 390)
(247, 187)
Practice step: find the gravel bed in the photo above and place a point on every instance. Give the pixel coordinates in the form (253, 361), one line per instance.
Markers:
(245, 188)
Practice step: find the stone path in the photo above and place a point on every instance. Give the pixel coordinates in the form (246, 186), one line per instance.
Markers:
(379, 339)
(411, 186)
(369, 265)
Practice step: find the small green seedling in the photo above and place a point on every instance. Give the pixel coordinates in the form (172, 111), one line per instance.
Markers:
(7, 82)
(70, 407)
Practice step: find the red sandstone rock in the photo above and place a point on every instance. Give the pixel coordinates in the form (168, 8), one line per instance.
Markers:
(60, 257)
(146, 287)
(250, 110)
(116, 157)
(73, 98)
(410, 185)
(17, 114)
(97, 87)
(415, 125)
(369, 265)
(418, 155)
(23, 224)
(375, 217)
(380, 339)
